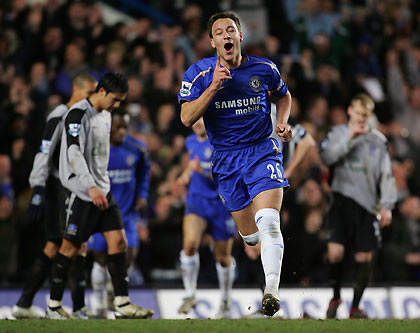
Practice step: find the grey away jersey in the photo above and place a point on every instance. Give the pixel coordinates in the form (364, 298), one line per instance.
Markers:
(84, 153)
(361, 167)
(46, 160)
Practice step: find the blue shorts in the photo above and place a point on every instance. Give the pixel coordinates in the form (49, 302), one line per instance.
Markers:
(97, 242)
(220, 224)
(241, 174)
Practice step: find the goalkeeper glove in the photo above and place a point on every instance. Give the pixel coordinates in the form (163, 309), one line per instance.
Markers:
(36, 207)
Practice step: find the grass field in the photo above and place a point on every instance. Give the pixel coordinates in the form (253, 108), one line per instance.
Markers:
(225, 326)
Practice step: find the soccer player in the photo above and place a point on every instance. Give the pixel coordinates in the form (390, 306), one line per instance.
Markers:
(47, 202)
(84, 157)
(128, 170)
(231, 92)
(205, 212)
(363, 194)
(294, 153)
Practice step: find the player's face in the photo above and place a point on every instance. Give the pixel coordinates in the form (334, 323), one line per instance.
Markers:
(226, 38)
(359, 114)
(111, 101)
(87, 89)
(118, 130)
(199, 128)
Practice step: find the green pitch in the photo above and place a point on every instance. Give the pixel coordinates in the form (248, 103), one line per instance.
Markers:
(225, 326)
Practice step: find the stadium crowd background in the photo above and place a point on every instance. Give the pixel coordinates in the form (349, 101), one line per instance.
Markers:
(327, 51)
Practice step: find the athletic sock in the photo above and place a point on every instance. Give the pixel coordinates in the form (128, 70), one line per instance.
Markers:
(118, 270)
(190, 266)
(99, 279)
(272, 247)
(225, 276)
(361, 281)
(335, 278)
(78, 282)
(60, 269)
(39, 274)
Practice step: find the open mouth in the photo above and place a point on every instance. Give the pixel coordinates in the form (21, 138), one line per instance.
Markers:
(228, 46)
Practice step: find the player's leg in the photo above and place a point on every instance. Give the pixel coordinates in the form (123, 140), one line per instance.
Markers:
(39, 274)
(111, 226)
(367, 238)
(42, 266)
(193, 227)
(267, 206)
(340, 221)
(81, 218)
(59, 274)
(99, 273)
(361, 280)
(225, 266)
(335, 259)
(77, 282)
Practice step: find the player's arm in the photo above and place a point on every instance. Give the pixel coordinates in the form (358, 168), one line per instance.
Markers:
(142, 180)
(284, 105)
(302, 149)
(279, 90)
(50, 137)
(191, 111)
(75, 130)
(336, 146)
(387, 190)
(39, 173)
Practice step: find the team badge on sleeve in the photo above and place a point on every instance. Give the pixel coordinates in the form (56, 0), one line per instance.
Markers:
(185, 89)
(45, 146)
(74, 129)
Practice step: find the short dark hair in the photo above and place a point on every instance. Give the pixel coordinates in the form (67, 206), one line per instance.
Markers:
(222, 15)
(113, 83)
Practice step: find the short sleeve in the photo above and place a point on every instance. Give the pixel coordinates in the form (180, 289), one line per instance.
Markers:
(192, 84)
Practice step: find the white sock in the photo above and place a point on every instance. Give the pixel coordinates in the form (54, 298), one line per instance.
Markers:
(190, 266)
(99, 278)
(272, 247)
(225, 276)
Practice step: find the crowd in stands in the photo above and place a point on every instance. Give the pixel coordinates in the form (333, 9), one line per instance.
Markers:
(327, 51)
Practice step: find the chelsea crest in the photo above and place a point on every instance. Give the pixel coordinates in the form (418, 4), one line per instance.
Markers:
(255, 83)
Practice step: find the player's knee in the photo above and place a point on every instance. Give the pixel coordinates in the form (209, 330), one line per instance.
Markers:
(268, 223)
(118, 244)
(223, 259)
(335, 257)
(252, 239)
(190, 247)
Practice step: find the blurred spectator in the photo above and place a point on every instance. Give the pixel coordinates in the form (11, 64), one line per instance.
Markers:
(8, 248)
(400, 255)
(74, 63)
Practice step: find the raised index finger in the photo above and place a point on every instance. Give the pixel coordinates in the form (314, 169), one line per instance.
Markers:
(218, 62)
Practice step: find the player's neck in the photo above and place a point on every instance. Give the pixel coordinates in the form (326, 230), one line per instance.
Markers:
(237, 61)
(94, 101)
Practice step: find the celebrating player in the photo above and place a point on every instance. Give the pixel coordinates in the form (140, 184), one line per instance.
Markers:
(48, 202)
(205, 212)
(91, 208)
(129, 175)
(362, 181)
(231, 92)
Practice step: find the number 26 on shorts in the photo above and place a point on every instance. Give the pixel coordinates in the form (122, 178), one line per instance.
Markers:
(275, 172)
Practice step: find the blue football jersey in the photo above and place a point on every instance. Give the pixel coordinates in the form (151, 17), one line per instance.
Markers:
(239, 114)
(129, 173)
(201, 183)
